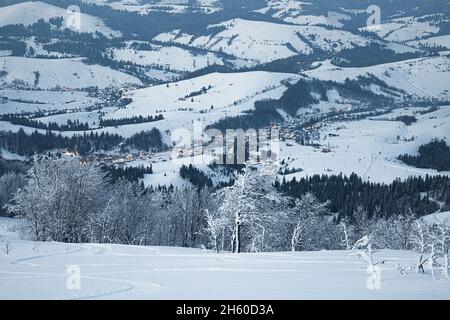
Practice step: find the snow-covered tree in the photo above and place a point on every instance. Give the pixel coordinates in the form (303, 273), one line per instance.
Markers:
(215, 228)
(186, 209)
(10, 183)
(440, 234)
(6, 244)
(347, 232)
(393, 233)
(363, 248)
(248, 206)
(306, 212)
(57, 199)
(419, 238)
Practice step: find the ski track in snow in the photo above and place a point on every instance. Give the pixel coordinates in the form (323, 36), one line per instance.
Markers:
(134, 272)
(130, 287)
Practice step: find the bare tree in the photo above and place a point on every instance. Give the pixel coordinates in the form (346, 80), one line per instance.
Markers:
(363, 249)
(345, 227)
(6, 246)
(419, 238)
(306, 212)
(57, 199)
(10, 183)
(248, 203)
(215, 228)
(441, 238)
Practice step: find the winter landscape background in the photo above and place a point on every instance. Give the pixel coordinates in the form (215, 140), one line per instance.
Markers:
(224, 149)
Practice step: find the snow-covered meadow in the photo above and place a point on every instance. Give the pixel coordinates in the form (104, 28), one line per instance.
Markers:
(36, 270)
(369, 147)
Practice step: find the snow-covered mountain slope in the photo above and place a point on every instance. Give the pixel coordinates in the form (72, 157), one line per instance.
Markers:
(291, 11)
(370, 147)
(36, 270)
(64, 73)
(18, 101)
(423, 78)
(166, 57)
(436, 218)
(207, 98)
(170, 6)
(28, 13)
(261, 42)
(439, 41)
(406, 29)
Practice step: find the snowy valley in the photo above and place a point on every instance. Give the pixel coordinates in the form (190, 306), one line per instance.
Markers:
(120, 153)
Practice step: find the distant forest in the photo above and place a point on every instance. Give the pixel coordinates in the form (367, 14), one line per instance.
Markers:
(434, 155)
(26, 145)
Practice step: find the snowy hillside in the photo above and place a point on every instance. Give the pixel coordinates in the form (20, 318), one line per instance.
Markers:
(14, 101)
(422, 78)
(170, 6)
(406, 29)
(291, 11)
(438, 41)
(207, 98)
(261, 42)
(370, 147)
(166, 58)
(35, 270)
(109, 174)
(437, 218)
(63, 73)
(28, 13)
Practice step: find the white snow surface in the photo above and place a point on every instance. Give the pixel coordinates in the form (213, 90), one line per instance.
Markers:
(423, 77)
(172, 6)
(18, 101)
(39, 271)
(405, 29)
(227, 93)
(64, 73)
(437, 218)
(167, 57)
(369, 147)
(28, 13)
(262, 42)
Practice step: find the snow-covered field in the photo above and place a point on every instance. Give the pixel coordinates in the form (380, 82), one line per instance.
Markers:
(63, 73)
(171, 58)
(224, 94)
(369, 147)
(27, 13)
(406, 29)
(172, 6)
(261, 42)
(291, 11)
(424, 77)
(441, 41)
(17, 101)
(42, 270)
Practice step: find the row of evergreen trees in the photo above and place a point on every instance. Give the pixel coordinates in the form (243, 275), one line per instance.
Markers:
(26, 145)
(129, 120)
(434, 155)
(346, 193)
(195, 176)
(70, 125)
(132, 174)
(147, 140)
